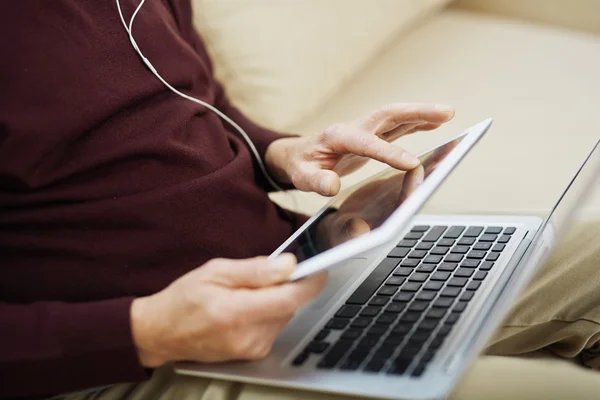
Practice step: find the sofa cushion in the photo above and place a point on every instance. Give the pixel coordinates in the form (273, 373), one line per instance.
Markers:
(539, 84)
(280, 60)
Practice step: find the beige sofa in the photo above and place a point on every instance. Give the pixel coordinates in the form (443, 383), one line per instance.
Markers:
(532, 65)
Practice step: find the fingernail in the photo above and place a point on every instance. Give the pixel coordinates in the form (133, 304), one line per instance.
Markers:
(282, 265)
(444, 108)
(325, 186)
(410, 160)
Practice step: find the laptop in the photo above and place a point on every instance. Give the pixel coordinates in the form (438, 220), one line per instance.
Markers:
(411, 299)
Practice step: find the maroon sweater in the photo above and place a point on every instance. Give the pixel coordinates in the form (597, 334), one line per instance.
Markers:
(111, 186)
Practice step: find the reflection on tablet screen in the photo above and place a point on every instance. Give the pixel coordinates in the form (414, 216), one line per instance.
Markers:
(365, 206)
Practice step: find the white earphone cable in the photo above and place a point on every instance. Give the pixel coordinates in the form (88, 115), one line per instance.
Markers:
(231, 122)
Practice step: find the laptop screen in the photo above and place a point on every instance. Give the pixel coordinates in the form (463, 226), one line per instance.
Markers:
(365, 206)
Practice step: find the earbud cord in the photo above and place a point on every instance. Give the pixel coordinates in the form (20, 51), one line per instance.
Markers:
(128, 29)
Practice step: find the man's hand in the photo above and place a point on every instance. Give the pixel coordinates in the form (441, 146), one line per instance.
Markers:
(225, 310)
(316, 163)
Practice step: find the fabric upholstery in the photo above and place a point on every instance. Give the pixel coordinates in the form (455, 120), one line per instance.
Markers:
(281, 59)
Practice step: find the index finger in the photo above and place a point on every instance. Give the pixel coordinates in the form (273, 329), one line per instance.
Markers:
(392, 115)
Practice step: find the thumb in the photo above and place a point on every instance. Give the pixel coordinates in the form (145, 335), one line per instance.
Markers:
(250, 273)
(312, 178)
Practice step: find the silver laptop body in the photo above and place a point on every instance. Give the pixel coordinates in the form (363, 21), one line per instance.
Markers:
(296, 362)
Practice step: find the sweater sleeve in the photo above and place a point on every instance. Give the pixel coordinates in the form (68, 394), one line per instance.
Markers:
(49, 348)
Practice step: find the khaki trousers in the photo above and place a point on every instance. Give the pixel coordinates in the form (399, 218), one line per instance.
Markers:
(559, 314)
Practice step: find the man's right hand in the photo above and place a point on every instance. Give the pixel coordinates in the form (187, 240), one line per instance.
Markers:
(224, 310)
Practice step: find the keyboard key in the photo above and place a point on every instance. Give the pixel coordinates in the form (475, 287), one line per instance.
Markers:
(418, 277)
(426, 295)
(395, 281)
(488, 238)
(379, 301)
(335, 354)
(371, 340)
(460, 306)
(509, 231)
(417, 254)
(467, 296)
(418, 306)
(413, 236)
(473, 231)
(440, 276)
(476, 254)
(434, 234)
(486, 266)
(466, 241)
(411, 287)
(480, 275)
(432, 259)
(366, 289)
(470, 264)
(322, 335)
(410, 317)
(438, 250)
(337, 323)
(374, 366)
(446, 242)
(446, 266)
(450, 292)
(401, 328)
(474, 285)
(494, 230)
(407, 243)
(443, 302)
(403, 297)
(482, 246)
(434, 286)
(419, 337)
(444, 330)
(400, 366)
(452, 318)
(399, 252)
(386, 319)
(454, 258)
(410, 263)
(350, 365)
(387, 290)
(301, 359)
(499, 247)
(396, 307)
(458, 282)
(360, 323)
(420, 228)
(460, 249)
(464, 273)
(351, 334)
(454, 232)
(493, 256)
(426, 268)
(428, 356)
(369, 311)
(424, 246)
(358, 354)
(428, 325)
(436, 313)
(347, 311)
(504, 239)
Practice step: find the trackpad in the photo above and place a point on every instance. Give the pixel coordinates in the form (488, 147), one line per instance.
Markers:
(338, 278)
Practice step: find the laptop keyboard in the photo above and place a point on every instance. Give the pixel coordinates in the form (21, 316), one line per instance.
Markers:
(398, 318)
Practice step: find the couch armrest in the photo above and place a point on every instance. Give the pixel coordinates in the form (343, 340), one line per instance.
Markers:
(583, 15)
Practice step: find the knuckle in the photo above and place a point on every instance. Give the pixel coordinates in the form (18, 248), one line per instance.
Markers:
(331, 132)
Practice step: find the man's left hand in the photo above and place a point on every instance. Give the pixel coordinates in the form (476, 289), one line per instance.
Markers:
(316, 163)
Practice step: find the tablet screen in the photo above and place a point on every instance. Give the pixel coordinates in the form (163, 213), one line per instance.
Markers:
(365, 206)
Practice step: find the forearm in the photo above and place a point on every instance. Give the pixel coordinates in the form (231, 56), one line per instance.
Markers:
(48, 348)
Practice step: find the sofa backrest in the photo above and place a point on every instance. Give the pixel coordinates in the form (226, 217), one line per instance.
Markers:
(280, 60)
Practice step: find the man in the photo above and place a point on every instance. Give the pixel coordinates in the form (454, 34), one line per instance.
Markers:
(113, 191)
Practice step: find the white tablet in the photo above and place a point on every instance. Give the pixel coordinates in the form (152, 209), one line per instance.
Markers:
(375, 211)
